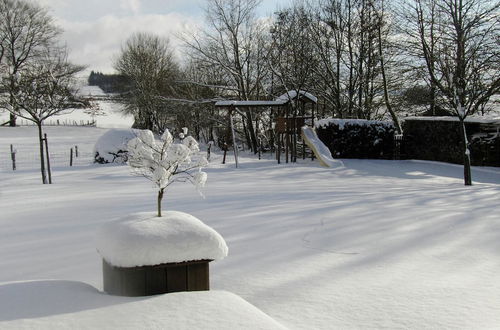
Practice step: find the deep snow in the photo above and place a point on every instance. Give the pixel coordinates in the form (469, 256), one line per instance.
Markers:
(376, 244)
(60, 304)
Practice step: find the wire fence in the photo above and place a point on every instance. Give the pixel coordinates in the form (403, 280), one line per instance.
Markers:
(29, 160)
(58, 122)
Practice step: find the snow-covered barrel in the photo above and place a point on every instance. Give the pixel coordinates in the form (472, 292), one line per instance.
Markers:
(145, 255)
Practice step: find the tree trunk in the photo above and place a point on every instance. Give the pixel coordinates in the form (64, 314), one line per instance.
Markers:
(247, 133)
(394, 117)
(160, 197)
(42, 161)
(466, 154)
(251, 130)
(12, 120)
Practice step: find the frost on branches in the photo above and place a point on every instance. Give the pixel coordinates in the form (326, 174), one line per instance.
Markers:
(165, 162)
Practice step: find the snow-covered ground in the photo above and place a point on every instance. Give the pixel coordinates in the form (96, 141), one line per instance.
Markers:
(111, 115)
(375, 244)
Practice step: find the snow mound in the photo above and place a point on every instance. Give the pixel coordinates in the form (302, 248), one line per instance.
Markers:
(111, 147)
(143, 239)
(57, 304)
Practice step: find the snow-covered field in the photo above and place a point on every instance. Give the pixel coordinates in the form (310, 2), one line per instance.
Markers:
(375, 244)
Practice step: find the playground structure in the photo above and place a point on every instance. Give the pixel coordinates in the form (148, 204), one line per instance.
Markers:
(288, 114)
(320, 150)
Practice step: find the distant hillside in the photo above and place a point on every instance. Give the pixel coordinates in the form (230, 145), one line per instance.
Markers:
(109, 83)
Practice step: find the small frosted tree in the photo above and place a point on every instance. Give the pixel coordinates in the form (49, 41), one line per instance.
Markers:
(164, 162)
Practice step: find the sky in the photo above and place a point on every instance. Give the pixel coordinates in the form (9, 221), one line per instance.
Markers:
(94, 30)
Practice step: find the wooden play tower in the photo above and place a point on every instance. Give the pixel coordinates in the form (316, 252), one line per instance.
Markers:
(289, 112)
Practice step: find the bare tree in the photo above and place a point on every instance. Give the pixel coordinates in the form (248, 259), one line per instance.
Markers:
(292, 57)
(351, 56)
(43, 89)
(148, 62)
(464, 65)
(26, 30)
(380, 13)
(230, 45)
(416, 68)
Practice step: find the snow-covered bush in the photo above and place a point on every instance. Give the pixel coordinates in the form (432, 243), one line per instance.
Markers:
(357, 138)
(164, 162)
(111, 147)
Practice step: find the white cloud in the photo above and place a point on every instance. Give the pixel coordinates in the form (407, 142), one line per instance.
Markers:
(131, 5)
(94, 30)
(96, 43)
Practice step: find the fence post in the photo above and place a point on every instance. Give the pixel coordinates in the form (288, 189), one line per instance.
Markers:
(398, 139)
(13, 157)
(71, 157)
(209, 149)
(48, 157)
(76, 151)
(259, 145)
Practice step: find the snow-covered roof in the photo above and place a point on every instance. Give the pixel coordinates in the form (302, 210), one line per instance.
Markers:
(143, 239)
(292, 95)
(280, 100)
(233, 103)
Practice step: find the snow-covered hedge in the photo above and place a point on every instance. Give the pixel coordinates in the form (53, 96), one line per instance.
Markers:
(357, 138)
(439, 139)
(111, 147)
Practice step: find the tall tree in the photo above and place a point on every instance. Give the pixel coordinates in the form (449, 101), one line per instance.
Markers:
(465, 66)
(292, 56)
(229, 44)
(26, 30)
(148, 63)
(43, 89)
(346, 38)
(380, 13)
(410, 44)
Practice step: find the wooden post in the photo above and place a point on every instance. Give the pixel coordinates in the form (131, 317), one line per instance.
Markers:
(225, 153)
(71, 157)
(259, 147)
(235, 146)
(48, 157)
(76, 151)
(208, 150)
(278, 151)
(13, 157)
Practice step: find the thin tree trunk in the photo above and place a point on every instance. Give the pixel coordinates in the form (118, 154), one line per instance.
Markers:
(251, 130)
(247, 133)
(466, 154)
(42, 162)
(12, 120)
(394, 117)
(160, 197)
